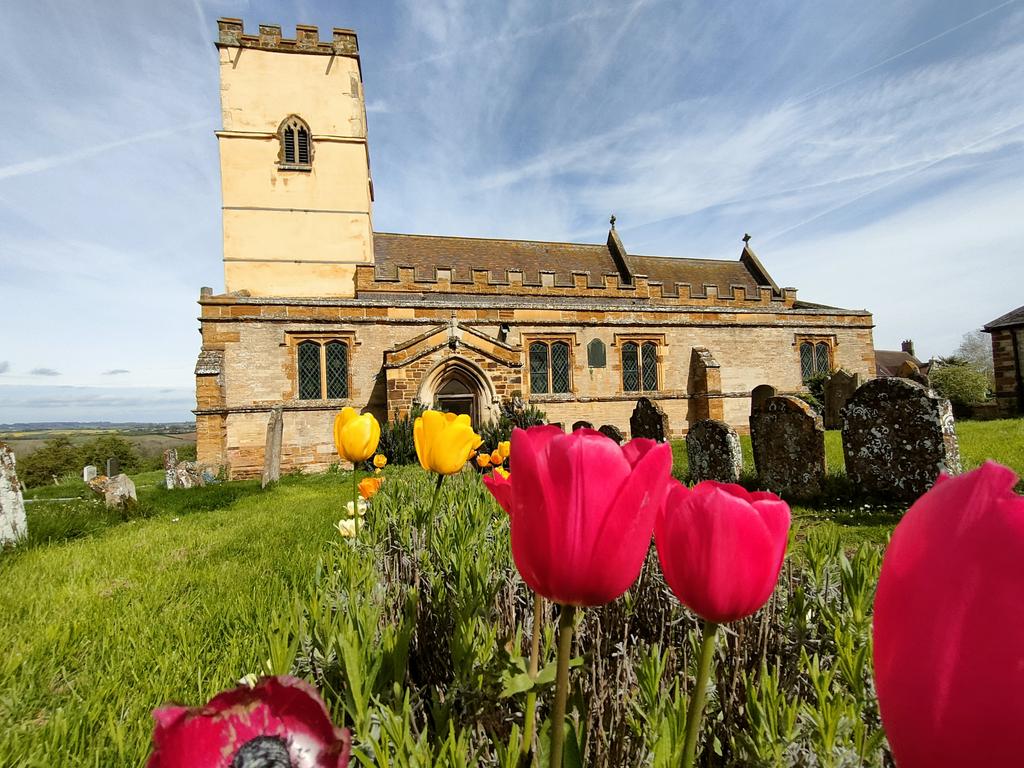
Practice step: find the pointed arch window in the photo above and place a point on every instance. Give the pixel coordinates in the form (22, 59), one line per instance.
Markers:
(550, 367)
(296, 144)
(816, 356)
(640, 366)
(323, 368)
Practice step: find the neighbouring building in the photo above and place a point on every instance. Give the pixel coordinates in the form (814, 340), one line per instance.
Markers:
(319, 311)
(1008, 361)
(890, 362)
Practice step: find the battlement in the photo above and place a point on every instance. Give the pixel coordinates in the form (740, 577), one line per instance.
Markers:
(577, 284)
(231, 33)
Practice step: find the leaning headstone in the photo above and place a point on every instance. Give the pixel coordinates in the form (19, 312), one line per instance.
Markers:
(88, 473)
(898, 436)
(582, 425)
(272, 451)
(170, 462)
(188, 475)
(116, 491)
(789, 447)
(714, 451)
(759, 396)
(838, 390)
(610, 430)
(648, 420)
(113, 467)
(13, 525)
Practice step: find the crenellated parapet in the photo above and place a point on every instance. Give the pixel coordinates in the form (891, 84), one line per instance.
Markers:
(573, 284)
(343, 42)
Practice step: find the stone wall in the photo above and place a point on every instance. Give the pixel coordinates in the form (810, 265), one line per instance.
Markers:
(1009, 368)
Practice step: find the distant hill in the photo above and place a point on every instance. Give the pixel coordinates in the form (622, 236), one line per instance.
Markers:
(125, 426)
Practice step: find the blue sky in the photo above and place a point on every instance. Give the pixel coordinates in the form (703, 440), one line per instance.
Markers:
(873, 150)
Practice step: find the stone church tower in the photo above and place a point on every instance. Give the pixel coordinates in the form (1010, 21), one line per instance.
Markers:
(294, 165)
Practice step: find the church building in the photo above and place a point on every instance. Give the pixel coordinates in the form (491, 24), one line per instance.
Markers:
(320, 312)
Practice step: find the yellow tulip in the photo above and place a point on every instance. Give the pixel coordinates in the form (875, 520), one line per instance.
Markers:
(505, 448)
(355, 435)
(502, 471)
(497, 459)
(444, 441)
(380, 461)
(369, 486)
(483, 460)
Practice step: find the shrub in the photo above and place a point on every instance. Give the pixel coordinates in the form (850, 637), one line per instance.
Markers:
(99, 449)
(55, 458)
(960, 382)
(396, 438)
(514, 413)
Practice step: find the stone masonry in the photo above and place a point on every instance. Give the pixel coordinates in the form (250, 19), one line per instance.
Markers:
(897, 437)
(789, 447)
(713, 448)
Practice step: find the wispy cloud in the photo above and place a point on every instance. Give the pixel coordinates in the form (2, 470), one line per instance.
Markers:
(44, 372)
(116, 372)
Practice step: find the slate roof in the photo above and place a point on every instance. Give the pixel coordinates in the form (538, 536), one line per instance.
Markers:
(462, 254)
(1009, 320)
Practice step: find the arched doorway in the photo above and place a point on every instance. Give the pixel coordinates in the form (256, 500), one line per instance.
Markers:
(456, 385)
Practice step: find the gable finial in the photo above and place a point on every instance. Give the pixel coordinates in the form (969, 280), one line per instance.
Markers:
(612, 221)
(746, 239)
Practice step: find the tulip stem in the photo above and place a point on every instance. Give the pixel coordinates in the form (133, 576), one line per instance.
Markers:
(530, 713)
(355, 495)
(433, 506)
(565, 627)
(695, 712)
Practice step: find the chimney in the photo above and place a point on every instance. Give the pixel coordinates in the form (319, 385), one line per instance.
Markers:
(908, 347)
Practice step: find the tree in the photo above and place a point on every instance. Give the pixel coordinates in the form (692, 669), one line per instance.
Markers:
(959, 381)
(104, 447)
(976, 349)
(56, 457)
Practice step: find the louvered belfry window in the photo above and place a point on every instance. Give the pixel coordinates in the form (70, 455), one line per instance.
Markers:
(550, 368)
(309, 371)
(296, 146)
(640, 366)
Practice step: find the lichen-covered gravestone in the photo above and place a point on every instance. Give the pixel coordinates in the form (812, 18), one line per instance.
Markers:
(897, 437)
(648, 420)
(838, 390)
(117, 491)
(272, 451)
(613, 432)
(789, 447)
(582, 425)
(13, 525)
(170, 462)
(714, 451)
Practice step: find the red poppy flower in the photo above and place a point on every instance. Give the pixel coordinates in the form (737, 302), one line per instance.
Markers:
(949, 625)
(582, 511)
(279, 723)
(721, 548)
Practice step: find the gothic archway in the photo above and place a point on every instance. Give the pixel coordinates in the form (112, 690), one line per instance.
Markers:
(458, 385)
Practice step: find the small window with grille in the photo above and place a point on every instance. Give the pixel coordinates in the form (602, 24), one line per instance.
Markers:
(815, 357)
(640, 366)
(323, 367)
(296, 145)
(550, 367)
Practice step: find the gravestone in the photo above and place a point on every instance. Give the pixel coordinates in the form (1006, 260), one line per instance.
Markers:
(789, 447)
(188, 474)
(170, 462)
(113, 467)
(582, 425)
(272, 451)
(648, 420)
(88, 473)
(116, 491)
(714, 452)
(13, 525)
(759, 396)
(898, 435)
(610, 430)
(838, 390)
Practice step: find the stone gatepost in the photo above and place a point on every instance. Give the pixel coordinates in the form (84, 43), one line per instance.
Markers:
(789, 447)
(170, 463)
(714, 452)
(897, 437)
(13, 525)
(272, 451)
(648, 420)
(838, 390)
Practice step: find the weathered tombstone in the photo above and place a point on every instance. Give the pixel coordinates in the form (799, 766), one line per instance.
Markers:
(898, 435)
(582, 425)
(13, 525)
(116, 491)
(170, 462)
(838, 390)
(188, 475)
(610, 430)
(759, 396)
(113, 467)
(714, 451)
(648, 420)
(272, 451)
(789, 447)
(88, 473)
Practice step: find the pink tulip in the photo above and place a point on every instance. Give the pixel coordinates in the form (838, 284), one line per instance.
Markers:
(582, 511)
(721, 548)
(500, 487)
(949, 626)
(281, 721)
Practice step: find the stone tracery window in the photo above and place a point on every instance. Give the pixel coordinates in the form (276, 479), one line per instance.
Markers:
(815, 357)
(640, 366)
(550, 367)
(323, 368)
(296, 144)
